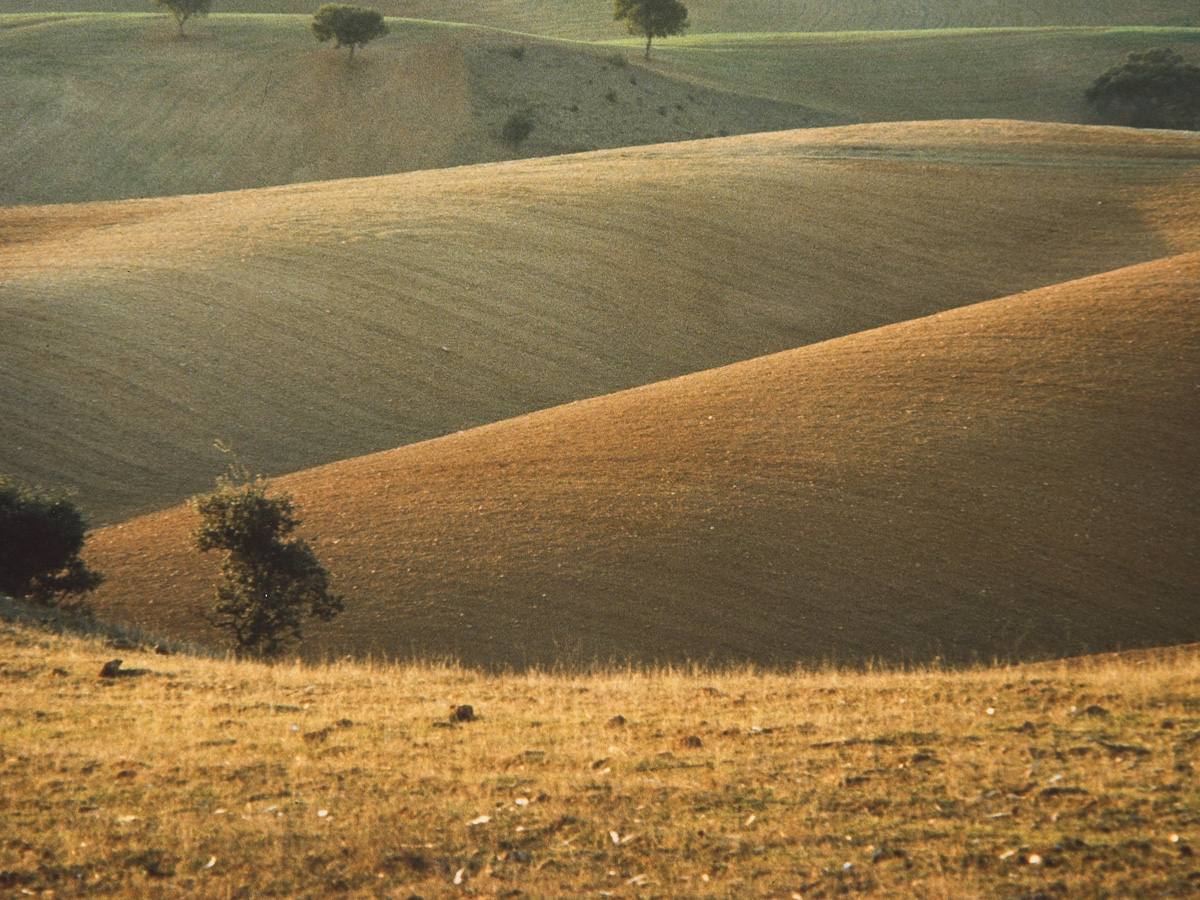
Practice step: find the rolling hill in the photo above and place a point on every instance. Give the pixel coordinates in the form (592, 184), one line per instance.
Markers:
(1010, 479)
(106, 107)
(113, 107)
(1039, 74)
(315, 323)
(592, 19)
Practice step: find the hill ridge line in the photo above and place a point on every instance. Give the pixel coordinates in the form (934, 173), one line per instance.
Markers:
(1001, 480)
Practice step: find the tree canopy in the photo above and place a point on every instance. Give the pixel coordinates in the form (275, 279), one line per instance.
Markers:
(1151, 89)
(183, 10)
(270, 582)
(41, 535)
(651, 18)
(347, 26)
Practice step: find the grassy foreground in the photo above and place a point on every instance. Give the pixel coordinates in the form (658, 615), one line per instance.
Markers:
(205, 778)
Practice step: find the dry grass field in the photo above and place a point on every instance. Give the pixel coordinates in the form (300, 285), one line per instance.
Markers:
(314, 323)
(190, 777)
(1011, 479)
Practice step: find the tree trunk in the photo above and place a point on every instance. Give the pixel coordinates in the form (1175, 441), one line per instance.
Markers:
(649, 38)
(352, 52)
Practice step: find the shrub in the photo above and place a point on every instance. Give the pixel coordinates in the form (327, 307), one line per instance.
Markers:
(651, 18)
(183, 10)
(41, 535)
(1151, 89)
(517, 127)
(271, 583)
(347, 26)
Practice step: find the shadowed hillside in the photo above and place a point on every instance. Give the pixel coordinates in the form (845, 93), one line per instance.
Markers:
(592, 19)
(1015, 478)
(1038, 74)
(114, 107)
(315, 323)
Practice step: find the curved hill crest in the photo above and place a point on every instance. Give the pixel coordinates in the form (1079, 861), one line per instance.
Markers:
(108, 107)
(318, 322)
(1010, 479)
(592, 20)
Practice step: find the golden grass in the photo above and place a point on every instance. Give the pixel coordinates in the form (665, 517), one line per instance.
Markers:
(200, 778)
(314, 323)
(1011, 479)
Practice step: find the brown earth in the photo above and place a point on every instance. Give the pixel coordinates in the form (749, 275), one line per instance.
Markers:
(1016, 478)
(319, 322)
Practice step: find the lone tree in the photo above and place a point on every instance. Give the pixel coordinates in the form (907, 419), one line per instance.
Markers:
(270, 582)
(651, 18)
(1151, 89)
(183, 10)
(41, 535)
(348, 26)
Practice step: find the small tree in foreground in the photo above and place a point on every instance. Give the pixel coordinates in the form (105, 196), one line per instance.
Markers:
(651, 18)
(270, 582)
(1151, 89)
(41, 535)
(183, 10)
(347, 26)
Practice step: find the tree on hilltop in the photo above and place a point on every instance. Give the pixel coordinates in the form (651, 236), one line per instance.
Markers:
(347, 26)
(183, 10)
(651, 18)
(41, 535)
(1151, 89)
(271, 582)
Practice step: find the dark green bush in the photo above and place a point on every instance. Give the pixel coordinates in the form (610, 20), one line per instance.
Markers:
(271, 582)
(517, 127)
(41, 535)
(1151, 89)
(347, 26)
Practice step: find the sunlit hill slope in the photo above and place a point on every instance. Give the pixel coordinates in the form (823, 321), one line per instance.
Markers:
(315, 323)
(1011, 478)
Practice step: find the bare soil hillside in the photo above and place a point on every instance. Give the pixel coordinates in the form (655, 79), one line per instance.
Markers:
(1015, 478)
(314, 323)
